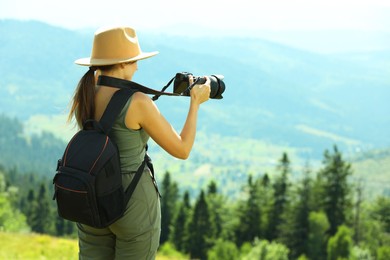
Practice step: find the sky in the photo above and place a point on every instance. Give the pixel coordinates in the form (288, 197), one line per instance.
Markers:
(267, 18)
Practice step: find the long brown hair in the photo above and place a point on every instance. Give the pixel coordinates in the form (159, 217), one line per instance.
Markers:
(83, 102)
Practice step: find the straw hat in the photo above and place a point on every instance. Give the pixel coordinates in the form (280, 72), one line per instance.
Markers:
(114, 45)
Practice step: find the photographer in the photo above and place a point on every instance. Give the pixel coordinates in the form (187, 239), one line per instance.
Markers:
(136, 235)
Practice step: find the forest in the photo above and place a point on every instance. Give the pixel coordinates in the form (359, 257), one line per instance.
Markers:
(323, 215)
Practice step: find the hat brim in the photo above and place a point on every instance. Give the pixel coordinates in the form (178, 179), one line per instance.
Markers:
(102, 62)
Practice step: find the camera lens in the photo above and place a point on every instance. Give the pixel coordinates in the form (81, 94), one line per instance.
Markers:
(217, 86)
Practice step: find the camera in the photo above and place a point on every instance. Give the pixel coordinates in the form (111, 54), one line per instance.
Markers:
(181, 84)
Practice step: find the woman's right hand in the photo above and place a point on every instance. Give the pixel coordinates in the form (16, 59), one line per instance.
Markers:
(200, 92)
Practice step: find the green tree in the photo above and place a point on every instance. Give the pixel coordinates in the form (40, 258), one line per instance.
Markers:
(335, 192)
(64, 227)
(31, 209)
(44, 217)
(358, 213)
(217, 208)
(340, 245)
(249, 224)
(381, 212)
(11, 219)
(225, 250)
(180, 231)
(3, 186)
(280, 199)
(317, 238)
(358, 253)
(199, 229)
(383, 253)
(264, 250)
(374, 231)
(169, 193)
(295, 230)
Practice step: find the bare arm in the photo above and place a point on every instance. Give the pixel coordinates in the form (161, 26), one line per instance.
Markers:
(144, 111)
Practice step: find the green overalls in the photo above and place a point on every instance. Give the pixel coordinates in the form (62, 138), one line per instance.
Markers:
(136, 235)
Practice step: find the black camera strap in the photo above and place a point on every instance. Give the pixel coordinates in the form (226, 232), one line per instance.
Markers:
(127, 84)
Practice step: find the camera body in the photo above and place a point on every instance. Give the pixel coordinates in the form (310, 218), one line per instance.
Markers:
(181, 84)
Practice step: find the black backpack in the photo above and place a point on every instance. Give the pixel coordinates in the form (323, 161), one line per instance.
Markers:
(88, 182)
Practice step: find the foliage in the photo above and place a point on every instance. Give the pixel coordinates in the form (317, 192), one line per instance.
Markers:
(358, 253)
(200, 229)
(11, 220)
(280, 199)
(335, 193)
(296, 224)
(226, 250)
(212, 225)
(340, 245)
(264, 250)
(169, 196)
(168, 250)
(381, 211)
(180, 235)
(249, 214)
(384, 253)
(317, 238)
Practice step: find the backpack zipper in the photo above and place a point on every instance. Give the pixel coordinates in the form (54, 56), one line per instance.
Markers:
(100, 155)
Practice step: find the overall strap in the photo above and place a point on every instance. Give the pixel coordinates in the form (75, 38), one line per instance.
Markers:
(114, 107)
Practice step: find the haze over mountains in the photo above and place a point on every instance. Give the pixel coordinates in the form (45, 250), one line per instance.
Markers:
(274, 93)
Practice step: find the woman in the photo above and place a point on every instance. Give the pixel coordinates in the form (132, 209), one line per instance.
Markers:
(115, 53)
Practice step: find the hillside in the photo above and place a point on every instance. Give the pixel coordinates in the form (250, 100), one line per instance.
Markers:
(227, 160)
(273, 92)
(277, 99)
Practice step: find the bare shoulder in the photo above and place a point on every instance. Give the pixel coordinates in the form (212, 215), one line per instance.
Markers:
(140, 98)
(140, 107)
(142, 102)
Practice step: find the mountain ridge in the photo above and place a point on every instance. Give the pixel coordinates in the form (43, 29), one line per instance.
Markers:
(274, 93)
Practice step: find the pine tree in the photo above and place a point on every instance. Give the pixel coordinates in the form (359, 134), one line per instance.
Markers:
(212, 188)
(295, 231)
(179, 235)
(357, 212)
(169, 193)
(31, 210)
(250, 215)
(199, 229)
(64, 227)
(280, 199)
(335, 193)
(43, 222)
(216, 205)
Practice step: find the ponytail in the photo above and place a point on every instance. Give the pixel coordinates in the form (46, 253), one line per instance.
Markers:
(83, 105)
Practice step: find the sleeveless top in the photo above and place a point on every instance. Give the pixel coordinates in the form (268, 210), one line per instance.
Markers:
(131, 143)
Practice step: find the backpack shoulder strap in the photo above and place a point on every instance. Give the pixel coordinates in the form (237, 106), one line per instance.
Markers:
(130, 189)
(114, 107)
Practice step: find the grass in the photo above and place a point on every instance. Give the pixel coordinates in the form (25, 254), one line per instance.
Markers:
(34, 246)
(30, 246)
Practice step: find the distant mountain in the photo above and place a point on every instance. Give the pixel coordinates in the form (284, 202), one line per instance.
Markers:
(274, 94)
